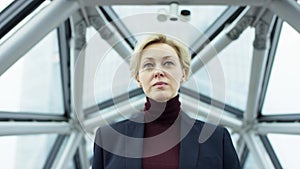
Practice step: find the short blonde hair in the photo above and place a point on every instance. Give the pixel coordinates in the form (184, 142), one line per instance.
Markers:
(181, 50)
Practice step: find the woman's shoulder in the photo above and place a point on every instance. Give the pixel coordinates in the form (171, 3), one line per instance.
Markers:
(122, 124)
(201, 125)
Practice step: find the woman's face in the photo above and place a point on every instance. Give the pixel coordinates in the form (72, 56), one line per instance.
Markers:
(160, 72)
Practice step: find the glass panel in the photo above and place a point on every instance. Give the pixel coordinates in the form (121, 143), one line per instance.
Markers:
(287, 148)
(24, 21)
(33, 83)
(283, 92)
(235, 60)
(134, 18)
(250, 162)
(71, 165)
(27, 152)
(106, 73)
(4, 4)
(89, 146)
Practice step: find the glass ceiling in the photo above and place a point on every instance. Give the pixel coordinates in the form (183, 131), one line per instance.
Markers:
(106, 73)
(25, 20)
(4, 4)
(235, 60)
(112, 62)
(34, 83)
(25, 151)
(34, 87)
(283, 93)
(286, 148)
(188, 32)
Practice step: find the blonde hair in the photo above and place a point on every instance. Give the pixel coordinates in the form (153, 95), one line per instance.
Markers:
(181, 50)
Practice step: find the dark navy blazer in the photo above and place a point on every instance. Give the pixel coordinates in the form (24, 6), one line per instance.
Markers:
(216, 152)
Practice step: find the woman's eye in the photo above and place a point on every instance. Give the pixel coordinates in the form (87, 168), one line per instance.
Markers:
(148, 65)
(168, 63)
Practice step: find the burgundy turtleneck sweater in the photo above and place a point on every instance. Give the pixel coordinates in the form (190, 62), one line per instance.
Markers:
(158, 118)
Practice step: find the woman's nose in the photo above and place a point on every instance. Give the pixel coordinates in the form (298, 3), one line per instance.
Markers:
(158, 73)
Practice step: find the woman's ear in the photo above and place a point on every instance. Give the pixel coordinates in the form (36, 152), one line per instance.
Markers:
(138, 81)
(184, 75)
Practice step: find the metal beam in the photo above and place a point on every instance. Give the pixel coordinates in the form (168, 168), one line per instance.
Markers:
(241, 147)
(79, 26)
(255, 86)
(228, 35)
(273, 48)
(15, 128)
(257, 149)
(111, 102)
(213, 115)
(181, 2)
(108, 32)
(15, 13)
(83, 157)
(64, 35)
(54, 151)
(109, 115)
(208, 100)
(279, 128)
(261, 46)
(62, 161)
(209, 52)
(280, 117)
(34, 30)
(30, 116)
(271, 152)
(191, 106)
(228, 15)
(288, 10)
(119, 25)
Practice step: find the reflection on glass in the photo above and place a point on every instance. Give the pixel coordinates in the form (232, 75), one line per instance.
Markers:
(33, 83)
(283, 93)
(106, 72)
(28, 152)
(4, 4)
(235, 62)
(287, 148)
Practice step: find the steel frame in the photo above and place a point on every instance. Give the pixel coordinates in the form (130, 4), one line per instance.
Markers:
(23, 40)
(88, 15)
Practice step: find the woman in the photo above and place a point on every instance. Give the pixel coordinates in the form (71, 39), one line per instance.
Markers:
(162, 136)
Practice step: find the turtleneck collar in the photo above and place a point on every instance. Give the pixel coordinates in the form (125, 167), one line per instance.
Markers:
(166, 112)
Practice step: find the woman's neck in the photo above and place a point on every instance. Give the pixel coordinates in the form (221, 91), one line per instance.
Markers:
(166, 112)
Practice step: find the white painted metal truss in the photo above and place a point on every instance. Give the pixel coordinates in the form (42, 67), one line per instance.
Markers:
(258, 14)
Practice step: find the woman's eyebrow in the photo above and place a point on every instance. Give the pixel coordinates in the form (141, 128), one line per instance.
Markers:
(147, 58)
(151, 58)
(168, 57)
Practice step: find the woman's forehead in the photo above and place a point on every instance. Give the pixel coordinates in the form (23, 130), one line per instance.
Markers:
(158, 49)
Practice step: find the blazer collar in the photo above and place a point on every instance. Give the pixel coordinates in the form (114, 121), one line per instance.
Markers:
(135, 129)
(189, 145)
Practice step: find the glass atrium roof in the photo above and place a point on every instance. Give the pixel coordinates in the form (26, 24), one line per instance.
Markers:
(64, 71)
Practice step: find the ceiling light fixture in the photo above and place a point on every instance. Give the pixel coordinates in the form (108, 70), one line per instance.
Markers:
(163, 15)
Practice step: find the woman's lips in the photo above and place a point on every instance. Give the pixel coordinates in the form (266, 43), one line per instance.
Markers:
(160, 84)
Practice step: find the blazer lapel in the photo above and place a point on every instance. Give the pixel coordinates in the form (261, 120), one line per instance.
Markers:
(134, 144)
(189, 146)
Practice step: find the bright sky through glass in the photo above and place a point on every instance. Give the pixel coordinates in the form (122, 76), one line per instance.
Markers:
(4, 4)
